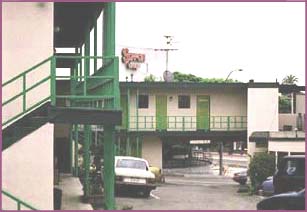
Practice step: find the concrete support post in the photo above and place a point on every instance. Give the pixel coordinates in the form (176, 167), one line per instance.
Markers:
(276, 160)
(86, 159)
(221, 157)
(76, 171)
(109, 175)
(292, 103)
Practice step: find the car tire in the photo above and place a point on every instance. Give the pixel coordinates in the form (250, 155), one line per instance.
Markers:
(242, 182)
(146, 193)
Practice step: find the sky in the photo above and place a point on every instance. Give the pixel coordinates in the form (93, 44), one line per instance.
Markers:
(266, 40)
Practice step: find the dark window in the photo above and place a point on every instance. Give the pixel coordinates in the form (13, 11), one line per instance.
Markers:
(143, 101)
(183, 101)
(261, 143)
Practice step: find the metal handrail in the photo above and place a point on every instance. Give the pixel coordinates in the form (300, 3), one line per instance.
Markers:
(52, 77)
(18, 201)
(25, 91)
(189, 122)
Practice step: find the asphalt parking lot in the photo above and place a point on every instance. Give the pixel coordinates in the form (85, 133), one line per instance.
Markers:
(192, 193)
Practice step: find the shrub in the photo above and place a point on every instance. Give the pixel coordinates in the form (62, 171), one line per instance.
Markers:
(261, 166)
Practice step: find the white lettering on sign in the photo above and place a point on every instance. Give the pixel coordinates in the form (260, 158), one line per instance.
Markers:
(200, 142)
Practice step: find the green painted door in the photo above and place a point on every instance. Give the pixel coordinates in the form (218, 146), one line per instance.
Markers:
(203, 112)
(161, 112)
(124, 107)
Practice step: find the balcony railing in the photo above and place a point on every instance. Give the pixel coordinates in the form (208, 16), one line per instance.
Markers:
(188, 123)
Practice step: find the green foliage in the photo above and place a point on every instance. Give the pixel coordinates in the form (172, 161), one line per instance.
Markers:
(261, 166)
(290, 80)
(284, 104)
(181, 77)
(150, 78)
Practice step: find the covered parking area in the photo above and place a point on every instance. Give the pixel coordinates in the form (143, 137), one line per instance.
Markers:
(183, 149)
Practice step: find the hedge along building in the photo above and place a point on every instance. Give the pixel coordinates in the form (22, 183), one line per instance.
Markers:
(32, 105)
(155, 113)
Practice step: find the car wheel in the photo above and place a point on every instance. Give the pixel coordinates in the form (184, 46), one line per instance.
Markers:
(146, 193)
(243, 182)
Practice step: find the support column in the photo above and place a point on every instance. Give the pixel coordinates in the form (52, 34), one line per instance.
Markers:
(109, 175)
(137, 146)
(71, 149)
(128, 145)
(86, 160)
(292, 103)
(119, 146)
(276, 160)
(221, 157)
(76, 171)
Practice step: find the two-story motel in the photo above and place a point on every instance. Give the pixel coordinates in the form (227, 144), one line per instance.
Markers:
(158, 113)
(42, 122)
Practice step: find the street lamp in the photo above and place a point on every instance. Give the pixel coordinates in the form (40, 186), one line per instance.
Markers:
(231, 73)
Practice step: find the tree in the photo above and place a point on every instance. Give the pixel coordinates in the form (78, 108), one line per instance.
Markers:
(181, 77)
(150, 78)
(290, 80)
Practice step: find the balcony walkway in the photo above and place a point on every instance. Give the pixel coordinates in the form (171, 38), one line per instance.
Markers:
(71, 193)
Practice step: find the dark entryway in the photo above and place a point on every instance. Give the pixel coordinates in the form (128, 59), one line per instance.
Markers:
(62, 154)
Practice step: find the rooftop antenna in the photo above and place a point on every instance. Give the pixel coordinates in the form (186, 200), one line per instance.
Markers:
(167, 75)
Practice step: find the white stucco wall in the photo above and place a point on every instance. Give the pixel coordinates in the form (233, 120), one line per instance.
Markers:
(27, 170)
(230, 102)
(262, 112)
(27, 39)
(152, 150)
(286, 146)
(300, 103)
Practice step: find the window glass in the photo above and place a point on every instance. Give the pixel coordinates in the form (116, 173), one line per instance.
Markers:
(132, 164)
(291, 167)
(183, 101)
(143, 101)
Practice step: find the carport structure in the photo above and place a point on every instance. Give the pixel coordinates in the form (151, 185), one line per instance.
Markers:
(218, 138)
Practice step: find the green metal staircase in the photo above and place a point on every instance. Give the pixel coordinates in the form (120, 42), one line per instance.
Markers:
(93, 97)
(82, 105)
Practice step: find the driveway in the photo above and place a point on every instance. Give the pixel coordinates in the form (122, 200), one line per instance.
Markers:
(193, 193)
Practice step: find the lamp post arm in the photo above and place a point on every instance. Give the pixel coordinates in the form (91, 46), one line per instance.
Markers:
(228, 76)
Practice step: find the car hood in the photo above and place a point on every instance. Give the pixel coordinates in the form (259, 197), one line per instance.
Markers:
(128, 172)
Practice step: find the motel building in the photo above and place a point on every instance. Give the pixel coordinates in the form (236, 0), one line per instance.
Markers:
(63, 111)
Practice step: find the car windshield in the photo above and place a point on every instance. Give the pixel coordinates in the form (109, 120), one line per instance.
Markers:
(130, 163)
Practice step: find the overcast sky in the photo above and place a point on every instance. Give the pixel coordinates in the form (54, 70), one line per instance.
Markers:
(266, 40)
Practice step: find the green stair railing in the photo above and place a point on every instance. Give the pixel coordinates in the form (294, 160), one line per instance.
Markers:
(19, 202)
(24, 91)
(90, 86)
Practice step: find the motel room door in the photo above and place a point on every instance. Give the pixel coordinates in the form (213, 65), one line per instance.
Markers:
(203, 112)
(161, 112)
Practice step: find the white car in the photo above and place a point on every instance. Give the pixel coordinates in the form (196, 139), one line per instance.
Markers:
(133, 174)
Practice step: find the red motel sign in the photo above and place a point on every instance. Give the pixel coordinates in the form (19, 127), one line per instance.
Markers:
(132, 60)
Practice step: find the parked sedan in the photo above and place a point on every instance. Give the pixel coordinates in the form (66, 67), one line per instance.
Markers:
(133, 175)
(240, 177)
(284, 201)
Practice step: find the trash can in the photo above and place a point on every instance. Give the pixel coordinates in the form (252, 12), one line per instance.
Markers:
(57, 198)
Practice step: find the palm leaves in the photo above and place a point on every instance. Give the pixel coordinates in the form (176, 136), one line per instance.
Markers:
(290, 80)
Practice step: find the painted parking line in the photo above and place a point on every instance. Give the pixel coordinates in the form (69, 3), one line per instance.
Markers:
(154, 196)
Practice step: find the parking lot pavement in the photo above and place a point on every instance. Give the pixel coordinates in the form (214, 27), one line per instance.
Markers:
(192, 193)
